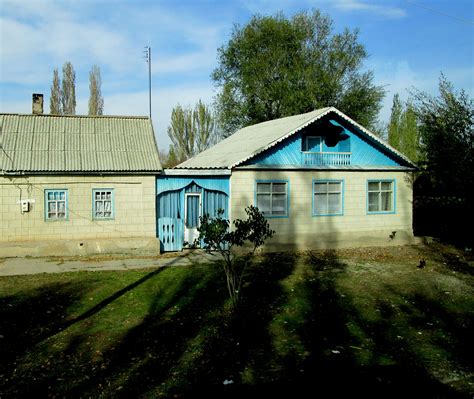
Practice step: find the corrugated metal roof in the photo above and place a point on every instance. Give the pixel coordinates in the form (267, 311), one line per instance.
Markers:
(253, 140)
(51, 143)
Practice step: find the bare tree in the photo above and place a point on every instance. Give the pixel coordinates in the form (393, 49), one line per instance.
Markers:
(96, 101)
(55, 98)
(69, 89)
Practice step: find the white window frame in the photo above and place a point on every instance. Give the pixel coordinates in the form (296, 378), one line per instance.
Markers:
(271, 214)
(326, 196)
(95, 201)
(379, 191)
(53, 216)
(320, 144)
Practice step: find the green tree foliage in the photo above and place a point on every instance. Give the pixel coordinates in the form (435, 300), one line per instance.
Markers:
(274, 67)
(191, 130)
(215, 234)
(96, 101)
(403, 129)
(69, 89)
(447, 139)
(204, 124)
(55, 98)
(181, 132)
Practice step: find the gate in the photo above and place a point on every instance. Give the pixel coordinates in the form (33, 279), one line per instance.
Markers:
(170, 231)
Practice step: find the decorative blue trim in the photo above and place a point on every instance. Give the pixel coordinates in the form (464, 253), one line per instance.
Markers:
(342, 196)
(94, 190)
(394, 198)
(287, 181)
(45, 205)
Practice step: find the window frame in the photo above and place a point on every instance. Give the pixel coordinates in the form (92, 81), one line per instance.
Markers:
(320, 144)
(394, 196)
(341, 181)
(94, 216)
(287, 193)
(47, 201)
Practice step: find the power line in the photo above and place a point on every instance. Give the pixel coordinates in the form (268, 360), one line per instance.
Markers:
(466, 21)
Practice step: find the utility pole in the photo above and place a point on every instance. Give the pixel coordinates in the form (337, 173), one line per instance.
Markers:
(148, 60)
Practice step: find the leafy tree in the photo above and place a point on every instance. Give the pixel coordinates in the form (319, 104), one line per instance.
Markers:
(403, 129)
(447, 138)
(181, 132)
(274, 67)
(204, 124)
(96, 101)
(69, 90)
(55, 98)
(191, 130)
(215, 234)
(443, 192)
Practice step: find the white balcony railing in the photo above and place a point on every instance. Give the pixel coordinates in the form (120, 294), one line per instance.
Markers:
(327, 158)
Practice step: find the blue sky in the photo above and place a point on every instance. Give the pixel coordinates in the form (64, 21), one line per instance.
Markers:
(409, 42)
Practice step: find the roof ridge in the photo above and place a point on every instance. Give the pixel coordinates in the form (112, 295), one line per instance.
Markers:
(78, 116)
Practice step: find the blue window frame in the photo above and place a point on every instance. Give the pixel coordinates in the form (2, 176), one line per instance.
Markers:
(272, 197)
(381, 196)
(328, 197)
(56, 204)
(103, 203)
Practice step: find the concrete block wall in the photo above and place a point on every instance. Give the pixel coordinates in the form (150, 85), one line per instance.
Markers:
(302, 230)
(134, 208)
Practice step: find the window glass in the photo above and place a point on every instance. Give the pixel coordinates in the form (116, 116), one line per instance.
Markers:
(313, 144)
(380, 196)
(272, 198)
(103, 205)
(55, 204)
(327, 198)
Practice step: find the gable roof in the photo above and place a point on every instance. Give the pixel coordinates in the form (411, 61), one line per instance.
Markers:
(253, 140)
(77, 144)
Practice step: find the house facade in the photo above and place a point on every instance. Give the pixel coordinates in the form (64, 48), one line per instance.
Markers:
(77, 184)
(322, 180)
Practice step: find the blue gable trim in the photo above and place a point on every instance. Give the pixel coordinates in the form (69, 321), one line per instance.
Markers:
(364, 152)
(172, 183)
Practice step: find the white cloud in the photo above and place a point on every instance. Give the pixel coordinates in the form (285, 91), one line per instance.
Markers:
(163, 101)
(400, 77)
(379, 9)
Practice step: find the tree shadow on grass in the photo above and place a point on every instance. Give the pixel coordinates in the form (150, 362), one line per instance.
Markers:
(328, 353)
(297, 334)
(31, 317)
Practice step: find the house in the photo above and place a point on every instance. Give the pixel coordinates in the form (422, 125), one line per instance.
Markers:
(322, 180)
(77, 184)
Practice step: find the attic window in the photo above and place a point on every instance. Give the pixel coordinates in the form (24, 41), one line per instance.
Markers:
(320, 144)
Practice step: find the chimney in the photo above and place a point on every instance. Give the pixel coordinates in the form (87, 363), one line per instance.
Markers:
(37, 104)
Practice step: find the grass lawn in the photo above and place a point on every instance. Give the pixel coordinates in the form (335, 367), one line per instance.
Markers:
(347, 322)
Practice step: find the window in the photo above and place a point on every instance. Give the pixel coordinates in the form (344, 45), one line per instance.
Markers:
(103, 204)
(327, 197)
(380, 196)
(272, 198)
(313, 144)
(56, 204)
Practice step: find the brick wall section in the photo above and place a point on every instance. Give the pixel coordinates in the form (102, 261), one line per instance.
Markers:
(134, 208)
(302, 230)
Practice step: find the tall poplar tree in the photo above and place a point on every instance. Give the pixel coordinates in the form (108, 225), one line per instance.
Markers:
(96, 101)
(55, 98)
(191, 130)
(403, 129)
(69, 90)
